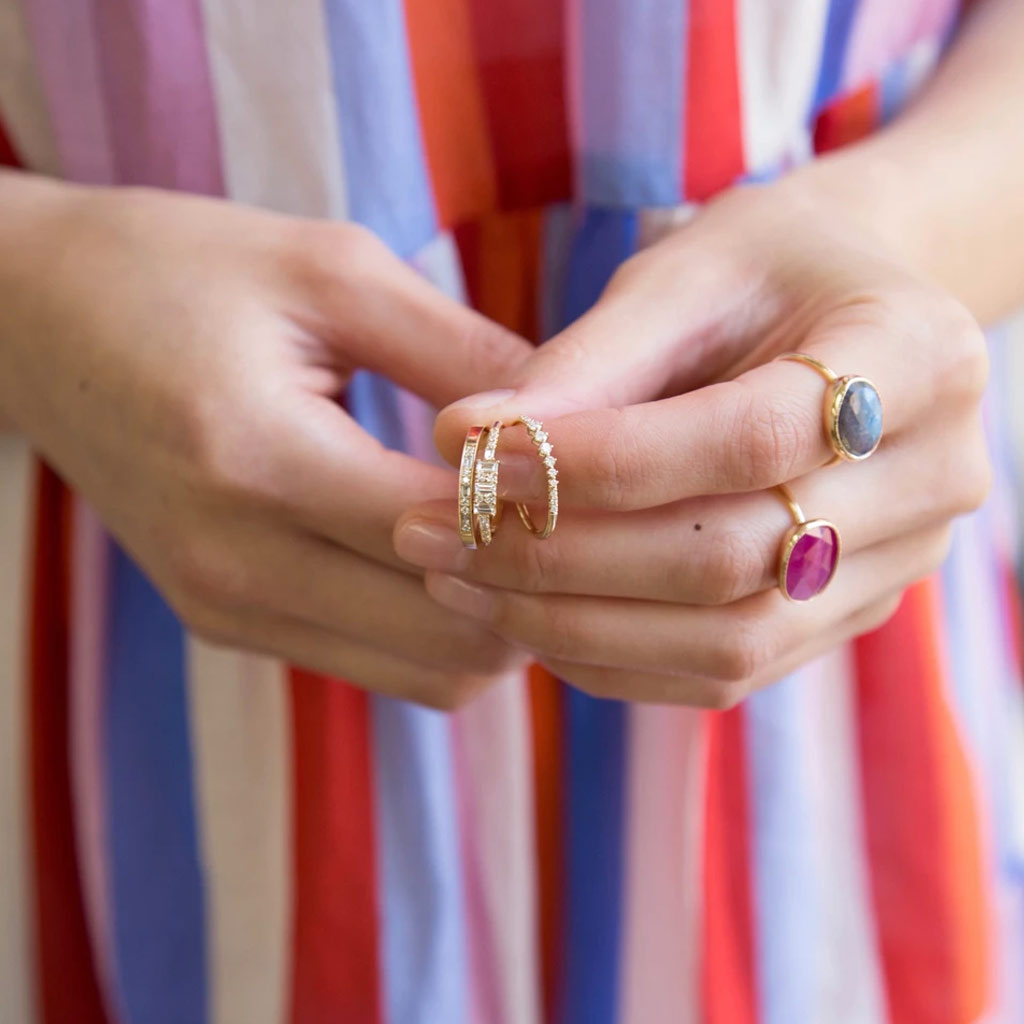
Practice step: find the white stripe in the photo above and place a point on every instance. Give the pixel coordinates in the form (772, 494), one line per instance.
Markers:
(22, 106)
(275, 100)
(779, 48)
(851, 984)
(241, 729)
(17, 987)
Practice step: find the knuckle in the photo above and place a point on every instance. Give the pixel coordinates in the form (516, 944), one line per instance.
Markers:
(768, 441)
(733, 566)
(938, 548)
(617, 467)
(536, 566)
(481, 652)
(546, 626)
(749, 647)
(205, 575)
(455, 693)
(974, 482)
(966, 366)
(881, 613)
(724, 696)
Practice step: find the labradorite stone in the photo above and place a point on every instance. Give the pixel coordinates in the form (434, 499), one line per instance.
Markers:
(860, 418)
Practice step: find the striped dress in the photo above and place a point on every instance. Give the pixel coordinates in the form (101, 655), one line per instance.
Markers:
(190, 835)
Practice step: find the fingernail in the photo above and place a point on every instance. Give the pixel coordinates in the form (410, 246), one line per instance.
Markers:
(431, 546)
(483, 399)
(521, 477)
(460, 596)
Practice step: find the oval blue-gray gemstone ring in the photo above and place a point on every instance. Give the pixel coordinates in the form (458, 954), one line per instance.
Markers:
(853, 410)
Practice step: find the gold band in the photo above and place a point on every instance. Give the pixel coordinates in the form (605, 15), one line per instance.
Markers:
(791, 503)
(467, 465)
(814, 364)
(809, 554)
(540, 440)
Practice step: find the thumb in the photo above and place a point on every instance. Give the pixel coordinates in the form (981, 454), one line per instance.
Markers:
(626, 349)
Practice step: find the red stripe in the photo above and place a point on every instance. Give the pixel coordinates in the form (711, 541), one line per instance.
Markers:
(713, 153)
(8, 158)
(727, 972)
(520, 55)
(921, 822)
(847, 120)
(68, 986)
(335, 959)
(548, 774)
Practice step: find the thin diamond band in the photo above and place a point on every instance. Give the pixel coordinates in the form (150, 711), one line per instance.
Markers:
(540, 441)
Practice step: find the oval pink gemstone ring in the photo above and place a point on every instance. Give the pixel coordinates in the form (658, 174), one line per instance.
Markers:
(809, 554)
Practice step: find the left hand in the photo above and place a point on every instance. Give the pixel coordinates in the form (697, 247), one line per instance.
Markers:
(670, 422)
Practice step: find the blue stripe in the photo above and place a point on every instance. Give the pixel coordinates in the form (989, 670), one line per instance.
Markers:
(632, 101)
(893, 90)
(787, 877)
(378, 123)
(833, 57)
(157, 886)
(372, 401)
(424, 957)
(595, 762)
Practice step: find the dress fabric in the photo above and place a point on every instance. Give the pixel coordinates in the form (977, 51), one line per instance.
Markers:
(198, 836)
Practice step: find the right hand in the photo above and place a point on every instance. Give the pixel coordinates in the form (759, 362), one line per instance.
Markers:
(178, 360)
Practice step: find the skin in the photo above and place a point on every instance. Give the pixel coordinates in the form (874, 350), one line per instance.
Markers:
(178, 361)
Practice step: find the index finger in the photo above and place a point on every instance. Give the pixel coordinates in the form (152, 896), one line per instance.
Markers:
(761, 429)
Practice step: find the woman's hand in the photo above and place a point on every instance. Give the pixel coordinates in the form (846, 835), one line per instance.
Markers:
(179, 360)
(659, 582)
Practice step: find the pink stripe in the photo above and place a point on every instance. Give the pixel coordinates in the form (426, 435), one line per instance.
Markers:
(884, 31)
(89, 565)
(491, 739)
(157, 79)
(663, 865)
(65, 45)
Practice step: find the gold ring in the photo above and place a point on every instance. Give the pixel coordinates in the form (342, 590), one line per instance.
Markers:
(540, 440)
(479, 506)
(809, 554)
(853, 410)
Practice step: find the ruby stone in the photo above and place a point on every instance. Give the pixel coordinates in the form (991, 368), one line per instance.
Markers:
(812, 562)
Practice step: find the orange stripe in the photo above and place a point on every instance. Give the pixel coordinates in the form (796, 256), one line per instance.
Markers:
(847, 120)
(451, 109)
(921, 821)
(501, 262)
(727, 970)
(546, 714)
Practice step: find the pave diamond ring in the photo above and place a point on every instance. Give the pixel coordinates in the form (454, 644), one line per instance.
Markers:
(540, 441)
